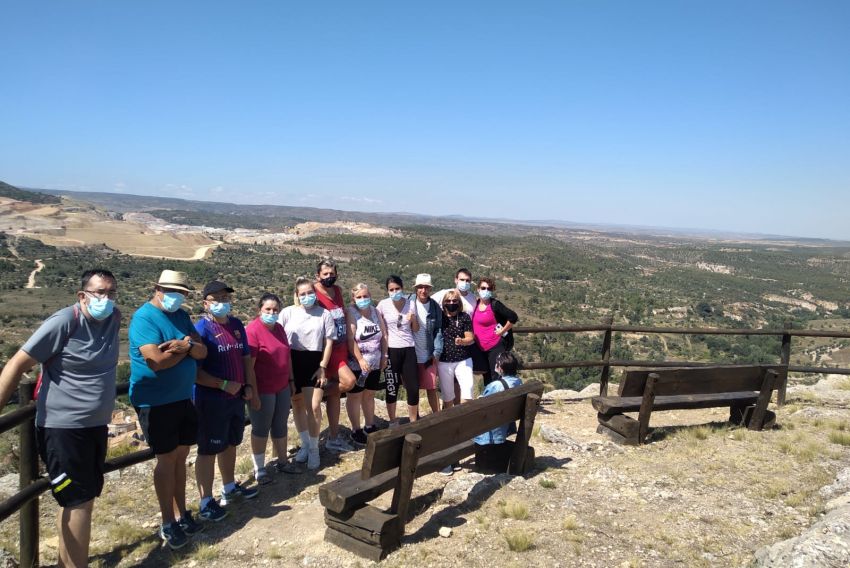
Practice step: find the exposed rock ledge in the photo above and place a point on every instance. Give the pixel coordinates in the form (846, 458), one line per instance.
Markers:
(825, 544)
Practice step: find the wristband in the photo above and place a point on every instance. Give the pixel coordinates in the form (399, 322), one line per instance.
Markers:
(224, 385)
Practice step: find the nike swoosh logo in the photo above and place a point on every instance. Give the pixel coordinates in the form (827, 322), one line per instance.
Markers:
(373, 334)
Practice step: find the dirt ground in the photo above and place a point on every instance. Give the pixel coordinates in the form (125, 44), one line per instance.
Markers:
(701, 493)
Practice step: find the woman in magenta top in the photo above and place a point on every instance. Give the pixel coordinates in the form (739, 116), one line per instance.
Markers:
(272, 367)
(491, 324)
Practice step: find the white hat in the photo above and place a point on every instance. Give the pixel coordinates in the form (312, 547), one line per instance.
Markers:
(423, 280)
(174, 280)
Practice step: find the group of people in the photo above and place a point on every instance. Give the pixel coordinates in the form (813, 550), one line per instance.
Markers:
(190, 382)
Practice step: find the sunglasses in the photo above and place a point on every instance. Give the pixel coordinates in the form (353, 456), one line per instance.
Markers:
(398, 323)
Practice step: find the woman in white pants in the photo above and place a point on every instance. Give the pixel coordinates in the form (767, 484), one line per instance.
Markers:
(456, 358)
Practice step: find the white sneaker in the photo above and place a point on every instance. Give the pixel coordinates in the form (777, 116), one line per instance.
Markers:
(448, 470)
(313, 459)
(339, 444)
(301, 454)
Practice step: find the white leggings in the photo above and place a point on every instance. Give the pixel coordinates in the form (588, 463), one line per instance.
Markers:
(448, 371)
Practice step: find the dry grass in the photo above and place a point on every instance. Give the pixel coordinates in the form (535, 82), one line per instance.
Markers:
(569, 523)
(840, 437)
(548, 484)
(205, 553)
(519, 540)
(514, 510)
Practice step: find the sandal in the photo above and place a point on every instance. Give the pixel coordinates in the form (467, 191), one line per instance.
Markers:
(286, 467)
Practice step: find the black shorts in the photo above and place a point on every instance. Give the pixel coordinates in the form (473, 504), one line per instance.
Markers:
(169, 425)
(373, 381)
(221, 423)
(74, 458)
(304, 366)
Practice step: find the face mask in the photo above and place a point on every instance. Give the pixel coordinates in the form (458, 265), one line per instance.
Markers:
(308, 300)
(363, 303)
(220, 309)
(328, 282)
(463, 286)
(268, 319)
(397, 295)
(451, 307)
(485, 294)
(100, 309)
(171, 301)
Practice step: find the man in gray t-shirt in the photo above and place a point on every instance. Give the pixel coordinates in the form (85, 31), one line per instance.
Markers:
(77, 348)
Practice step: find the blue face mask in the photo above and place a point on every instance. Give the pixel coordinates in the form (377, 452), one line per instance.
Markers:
(100, 308)
(463, 286)
(397, 295)
(220, 309)
(308, 300)
(268, 319)
(363, 303)
(171, 301)
(485, 294)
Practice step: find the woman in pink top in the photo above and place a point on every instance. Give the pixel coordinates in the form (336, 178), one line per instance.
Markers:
(400, 321)
(491, 324)
(273, 368)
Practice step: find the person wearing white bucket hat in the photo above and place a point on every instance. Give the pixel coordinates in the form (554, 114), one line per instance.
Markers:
(164, 348)
(428, 339)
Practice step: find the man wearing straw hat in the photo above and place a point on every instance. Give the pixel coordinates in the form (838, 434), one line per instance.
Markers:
(78, 351)
(163, 349)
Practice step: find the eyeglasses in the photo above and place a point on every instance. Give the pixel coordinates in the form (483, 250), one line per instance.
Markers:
(102, 294)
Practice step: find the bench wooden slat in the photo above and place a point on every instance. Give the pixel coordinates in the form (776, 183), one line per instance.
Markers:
(367, 524)
(447, 428)
(351, 491)
(698, 380)
(607, 405)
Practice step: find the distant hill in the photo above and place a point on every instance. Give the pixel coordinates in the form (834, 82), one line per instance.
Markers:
(18, 194)
(232, 215)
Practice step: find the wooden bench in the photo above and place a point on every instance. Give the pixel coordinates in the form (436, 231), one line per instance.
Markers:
(394, 458)
(745, 389)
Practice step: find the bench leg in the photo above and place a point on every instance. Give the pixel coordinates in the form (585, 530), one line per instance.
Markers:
(646, 407)
(619, 428)
(518, 465)
(757, 420)
(406, 476)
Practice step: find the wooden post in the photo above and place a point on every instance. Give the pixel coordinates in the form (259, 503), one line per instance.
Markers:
(406, 476)
(784, 359)
(606, 357)
(28, 517)
(517, 465)
(646, 407)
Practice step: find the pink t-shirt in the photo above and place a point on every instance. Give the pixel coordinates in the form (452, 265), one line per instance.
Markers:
(484, 327)
(271, 350)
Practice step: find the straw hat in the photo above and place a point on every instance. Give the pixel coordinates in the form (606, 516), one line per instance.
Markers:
(174, 280)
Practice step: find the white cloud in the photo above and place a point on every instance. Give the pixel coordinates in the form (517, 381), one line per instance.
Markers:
(360, 199)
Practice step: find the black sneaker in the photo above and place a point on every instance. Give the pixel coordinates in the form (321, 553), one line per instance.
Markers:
(359, 437)
(189, 525)
(370, 429)
(173, 535)
(212, 512)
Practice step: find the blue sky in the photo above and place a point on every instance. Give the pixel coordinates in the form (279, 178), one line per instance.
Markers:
(718, 115)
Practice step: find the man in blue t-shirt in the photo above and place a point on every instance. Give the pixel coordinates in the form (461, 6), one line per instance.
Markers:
(506, 366)
(225, 381)
(163, 349)
(78, 351)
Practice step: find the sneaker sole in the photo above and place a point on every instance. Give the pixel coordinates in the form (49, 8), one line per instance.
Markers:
(172, 546)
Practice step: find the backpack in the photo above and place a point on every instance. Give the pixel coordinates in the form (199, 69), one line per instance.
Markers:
(74, 326)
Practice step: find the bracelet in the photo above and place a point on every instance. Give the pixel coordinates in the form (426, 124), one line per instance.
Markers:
(223, 385)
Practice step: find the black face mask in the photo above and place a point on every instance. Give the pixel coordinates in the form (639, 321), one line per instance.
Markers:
(451, 308)
(328, 282)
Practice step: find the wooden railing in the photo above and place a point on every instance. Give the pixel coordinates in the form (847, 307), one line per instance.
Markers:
(32, 485)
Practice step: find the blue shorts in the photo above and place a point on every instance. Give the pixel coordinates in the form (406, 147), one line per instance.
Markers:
(221, 423)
